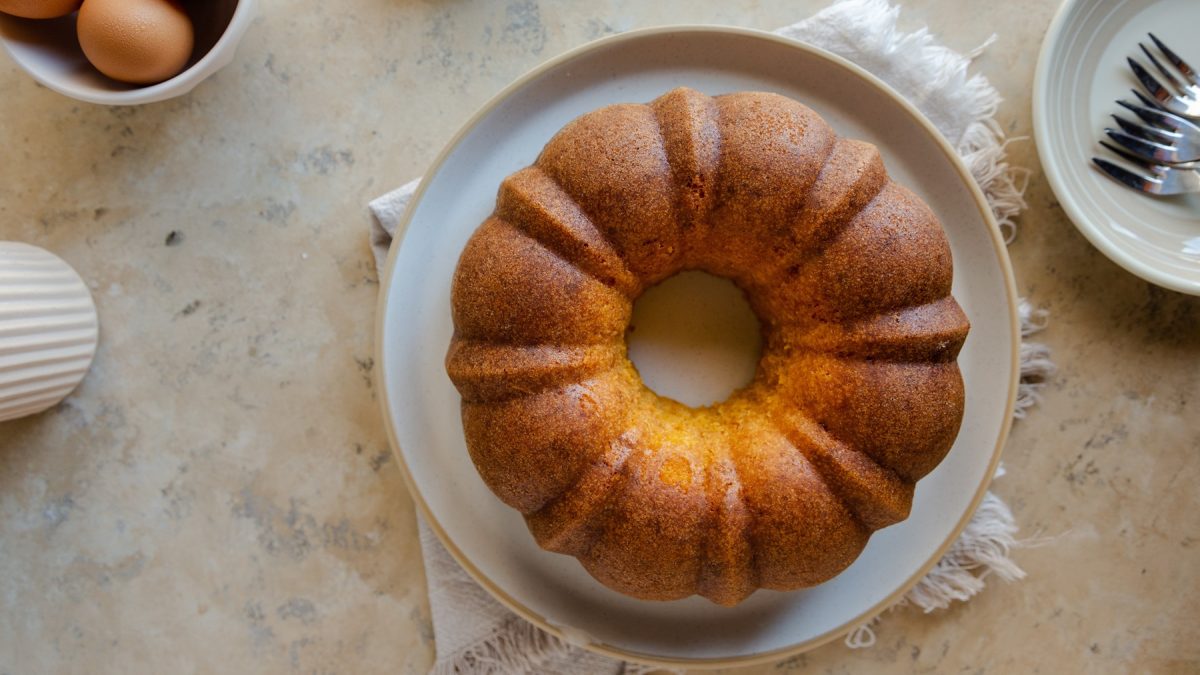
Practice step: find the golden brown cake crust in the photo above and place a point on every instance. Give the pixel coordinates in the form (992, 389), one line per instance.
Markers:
(856, 397)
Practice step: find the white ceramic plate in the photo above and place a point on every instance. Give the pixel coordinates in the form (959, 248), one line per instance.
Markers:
(422, 407)
(1080, 74)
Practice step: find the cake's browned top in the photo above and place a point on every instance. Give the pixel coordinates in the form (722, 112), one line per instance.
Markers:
(856, 397)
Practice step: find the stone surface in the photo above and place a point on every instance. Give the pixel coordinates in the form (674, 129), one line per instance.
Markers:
(219, 495)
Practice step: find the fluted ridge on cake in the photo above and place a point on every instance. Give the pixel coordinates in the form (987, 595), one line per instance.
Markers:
(484, 371)
(874, 494)
(532, 201)
(509, 288)
(801, 532)
(662, 491)
(772, 151)
(727, 571)
(568, 523)
(885, 409)
(851, 178)
(892, 254)
(532, 449)
(931, 332)
(622, 182)
(688, 124)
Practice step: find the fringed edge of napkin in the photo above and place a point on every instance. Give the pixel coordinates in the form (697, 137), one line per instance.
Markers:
(982, 145)
(1036, 366)
(516, 646)
(981, 550)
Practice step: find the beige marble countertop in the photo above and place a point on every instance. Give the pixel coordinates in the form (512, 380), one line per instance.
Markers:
(219, 495)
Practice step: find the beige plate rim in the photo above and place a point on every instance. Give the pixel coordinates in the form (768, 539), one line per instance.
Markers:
(1002, 260)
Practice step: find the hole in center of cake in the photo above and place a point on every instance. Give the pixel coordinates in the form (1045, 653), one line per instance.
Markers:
(694, 338)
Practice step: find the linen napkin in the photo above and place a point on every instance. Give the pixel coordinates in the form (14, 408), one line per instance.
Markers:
(475, 634)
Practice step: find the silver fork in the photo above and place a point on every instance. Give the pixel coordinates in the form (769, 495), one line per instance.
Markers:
(1161, 180)
(1181, 98)
(1165, 137)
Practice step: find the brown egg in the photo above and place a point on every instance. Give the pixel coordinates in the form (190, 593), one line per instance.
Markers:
(136, 41)
(39, 9)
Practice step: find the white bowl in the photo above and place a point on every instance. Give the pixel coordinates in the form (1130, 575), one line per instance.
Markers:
(1080, 75)
(49, 51)
(48, 330)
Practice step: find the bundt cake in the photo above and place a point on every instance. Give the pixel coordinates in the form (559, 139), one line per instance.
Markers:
(857, 394)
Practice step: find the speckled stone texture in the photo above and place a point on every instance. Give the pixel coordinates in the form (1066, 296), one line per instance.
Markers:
(219, 496)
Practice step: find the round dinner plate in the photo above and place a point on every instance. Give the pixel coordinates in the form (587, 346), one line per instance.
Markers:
(421, 406)
(1081, 73)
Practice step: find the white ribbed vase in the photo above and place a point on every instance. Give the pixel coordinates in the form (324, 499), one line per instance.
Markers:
(48, 330)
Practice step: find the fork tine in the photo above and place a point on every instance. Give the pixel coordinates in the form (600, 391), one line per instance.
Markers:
(1128, 178)
(1153, 86)
(1188, 71)
(1132, 158)
(1127, 126)
(1146, 114)
(1152, 134)
(1146, 101)
(1160, 118)
(1144, 148)
(1149, 165)
(1162, 69)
